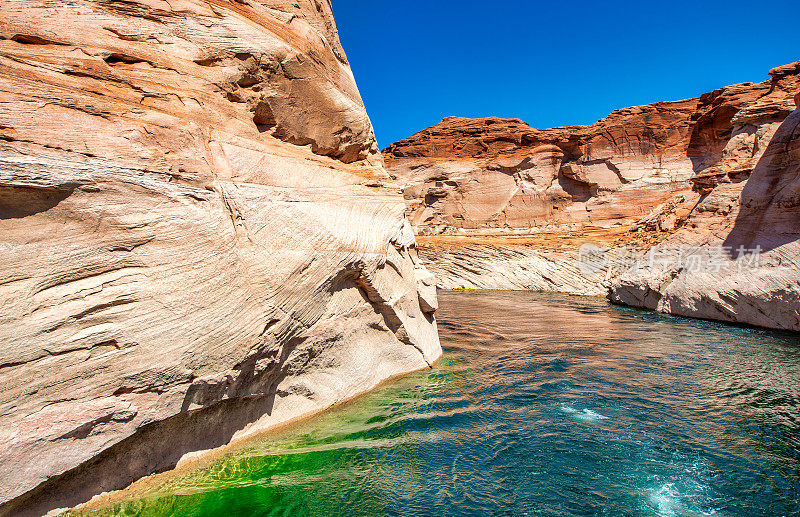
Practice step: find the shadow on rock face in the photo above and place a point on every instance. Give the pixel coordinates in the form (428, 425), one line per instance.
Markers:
(710, 135)
(19, 202)
(769, 216)
(155, 448)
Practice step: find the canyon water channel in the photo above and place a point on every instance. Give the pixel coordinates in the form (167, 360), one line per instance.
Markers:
(542, 405)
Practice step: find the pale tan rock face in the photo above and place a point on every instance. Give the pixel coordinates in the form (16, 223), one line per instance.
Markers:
(199, 239)
(502, 205)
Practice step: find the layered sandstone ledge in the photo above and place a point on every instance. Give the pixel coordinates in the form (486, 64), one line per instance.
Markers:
(199, 238)
(498, 204)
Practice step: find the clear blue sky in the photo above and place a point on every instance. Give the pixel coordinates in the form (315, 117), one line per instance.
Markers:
(552, 63)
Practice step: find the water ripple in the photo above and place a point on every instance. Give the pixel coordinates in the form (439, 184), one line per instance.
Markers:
(542, 406)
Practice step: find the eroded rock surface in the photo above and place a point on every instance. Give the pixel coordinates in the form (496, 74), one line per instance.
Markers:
(737, 258)
(499, 175)
(502, 205)
(197, 234)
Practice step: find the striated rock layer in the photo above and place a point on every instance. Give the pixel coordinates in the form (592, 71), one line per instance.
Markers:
(500, 175)
(499, 204)
(738, 257)
(198, 237)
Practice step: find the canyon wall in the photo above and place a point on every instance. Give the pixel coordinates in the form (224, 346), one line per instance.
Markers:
(199, 238)
(738, 257)
(482, 176)
(498, 204)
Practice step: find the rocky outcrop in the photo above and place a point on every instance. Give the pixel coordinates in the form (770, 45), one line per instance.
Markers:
(199, 238)
(502, 176)
(737, 258)
(502, 205)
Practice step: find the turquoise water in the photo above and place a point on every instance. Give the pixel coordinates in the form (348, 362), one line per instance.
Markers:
(543, 405)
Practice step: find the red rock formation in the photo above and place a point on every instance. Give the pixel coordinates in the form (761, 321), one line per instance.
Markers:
(641, 169)
(502, 175)
(733, 125)
(737, 257)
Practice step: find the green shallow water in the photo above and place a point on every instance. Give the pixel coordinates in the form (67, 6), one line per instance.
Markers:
(542, 405)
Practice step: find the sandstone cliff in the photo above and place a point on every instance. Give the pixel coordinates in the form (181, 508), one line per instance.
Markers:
(500, 175)
(197, 234)
(498, 204)
(738, 257)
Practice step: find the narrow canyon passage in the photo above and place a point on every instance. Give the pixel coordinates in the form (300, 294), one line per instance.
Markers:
(203, 246)
(544, 405)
